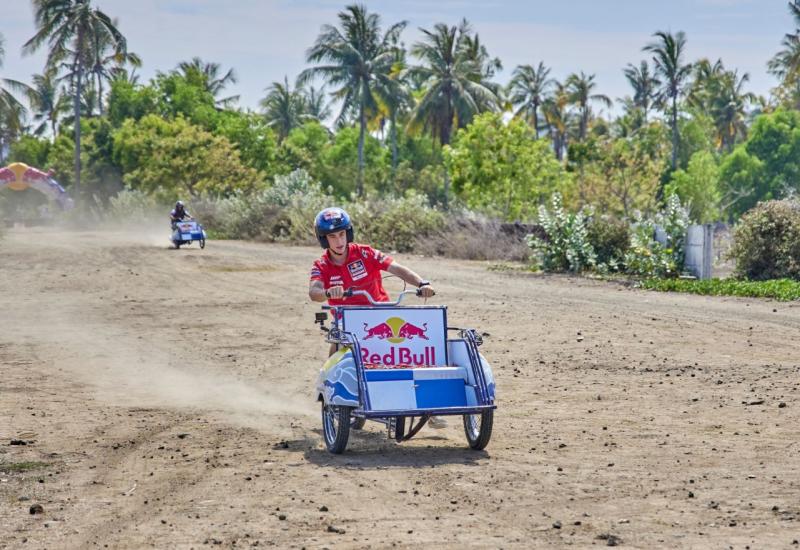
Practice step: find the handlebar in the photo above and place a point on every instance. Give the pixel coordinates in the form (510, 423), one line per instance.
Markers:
(351, 292)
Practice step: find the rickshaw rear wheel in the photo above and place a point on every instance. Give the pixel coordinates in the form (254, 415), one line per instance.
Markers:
(478, 428)
(336, 427)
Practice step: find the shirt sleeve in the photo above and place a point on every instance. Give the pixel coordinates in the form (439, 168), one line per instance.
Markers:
(316, 273)
(378, 259)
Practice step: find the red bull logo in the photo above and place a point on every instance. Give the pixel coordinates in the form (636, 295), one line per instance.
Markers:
(396, 331)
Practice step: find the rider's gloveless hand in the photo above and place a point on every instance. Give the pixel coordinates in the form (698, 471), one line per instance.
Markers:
(426, 291)
(335, 292)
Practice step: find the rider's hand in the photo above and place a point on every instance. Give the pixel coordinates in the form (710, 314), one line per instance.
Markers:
(426, 291)
(335, 292)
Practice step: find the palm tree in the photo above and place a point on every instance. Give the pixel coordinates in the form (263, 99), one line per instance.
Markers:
(668, 53)
(558, 118)
(358, 61)
(48, 102)
(707, 78)
(316, 105)
(580, 88)
(208, 73)
(528, 89)
(398, 99)
(454, 89)
(8, 102)
(786, 63)
(68, 27)
(105, 59)
(12, 112)
(476, 52)
(284, 108)
(644, 84)
(728, 108)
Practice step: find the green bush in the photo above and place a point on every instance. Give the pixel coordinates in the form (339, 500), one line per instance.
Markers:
(649, 258)
(283, 212)
(610, 238)
(565, 246)
(780, 289)
(395, 224)
(767, 241)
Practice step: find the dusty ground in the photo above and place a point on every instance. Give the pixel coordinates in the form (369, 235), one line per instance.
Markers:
(165, 399)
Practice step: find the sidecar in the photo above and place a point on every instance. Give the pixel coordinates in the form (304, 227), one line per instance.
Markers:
(396, 365)
(185, 232)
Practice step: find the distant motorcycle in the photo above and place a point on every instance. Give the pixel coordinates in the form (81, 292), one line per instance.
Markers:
(186, 232)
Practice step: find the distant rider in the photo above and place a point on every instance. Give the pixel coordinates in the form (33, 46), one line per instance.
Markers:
(178, 214)
(346, 264)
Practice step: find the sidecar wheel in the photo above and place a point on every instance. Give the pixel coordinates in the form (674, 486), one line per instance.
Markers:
(202, 243)
(336, 427)
(478, 428)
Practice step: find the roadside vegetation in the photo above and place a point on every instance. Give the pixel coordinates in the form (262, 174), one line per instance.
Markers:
(427, 147)
(784, 290)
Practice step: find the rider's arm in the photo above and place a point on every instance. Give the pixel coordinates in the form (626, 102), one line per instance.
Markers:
(316, 291)
(411, 278)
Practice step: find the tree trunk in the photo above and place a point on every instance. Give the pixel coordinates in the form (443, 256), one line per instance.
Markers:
(584, 122)
(99, 94)
(447, 127)
(394, 143)
(362, 130)
(77, 107)
(675, 137)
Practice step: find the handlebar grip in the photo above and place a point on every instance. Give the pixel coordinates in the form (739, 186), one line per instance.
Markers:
(347, 293)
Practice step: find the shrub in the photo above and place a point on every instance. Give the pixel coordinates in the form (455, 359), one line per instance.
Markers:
(649, 258)
(283, 212)
(135, 206)
(566, 246)
(469, 236)
(784, 290)
(395, 223)
(767, 241)
(610, 238)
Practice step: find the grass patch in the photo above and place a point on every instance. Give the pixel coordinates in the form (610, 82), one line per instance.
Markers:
(16, 467)
(504, 266)
(784, 290)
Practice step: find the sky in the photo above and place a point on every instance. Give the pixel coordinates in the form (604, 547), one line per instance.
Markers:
(265, 40)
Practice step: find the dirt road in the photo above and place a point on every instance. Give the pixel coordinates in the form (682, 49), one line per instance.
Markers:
(165, 401)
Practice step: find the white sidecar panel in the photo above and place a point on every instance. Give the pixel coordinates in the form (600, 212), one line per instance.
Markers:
(457, 352)
(423, 388)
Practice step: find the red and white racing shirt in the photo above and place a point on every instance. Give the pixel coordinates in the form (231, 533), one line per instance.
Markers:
(360, 271)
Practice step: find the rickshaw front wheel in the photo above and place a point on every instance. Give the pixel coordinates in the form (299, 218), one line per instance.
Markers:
(336, 427)
(478, 428)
